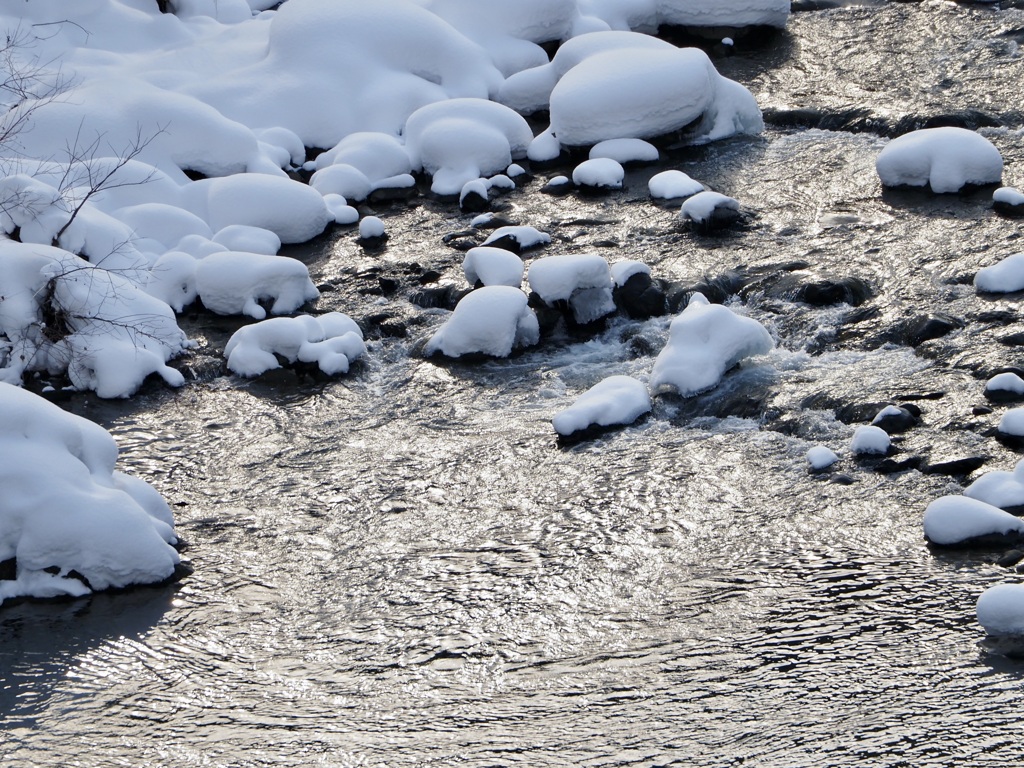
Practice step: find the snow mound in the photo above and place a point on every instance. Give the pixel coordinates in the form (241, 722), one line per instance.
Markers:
(375, 155)
(343, 180)
(582, 280)
(946, 159)
(669, 185)
(234, 283)
(625, 151)
(172, 279)
(1000, 610)
(623, 270)
(66, 507)
(599, 173)
(869, 441)
(1004, 386)
(1005, 277)
(460, 140)
(493, 266)
(241, 237)
(701, 207)
(517, 238)
(960, 521)
(1012, 423)
(617, 400)
(1008, 196)
(820, 457)
(1000, 489)
(706, 340)
(493, 321)
(332, 341)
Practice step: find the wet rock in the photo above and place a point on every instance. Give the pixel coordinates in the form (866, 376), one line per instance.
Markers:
(641, 297)
(1010, 558)
(829, 291)
(842, 480)
(429, 276)
(385, 325)
(1013, 340)
(387, 285)
(473, 201)
(891, 466)
(955, 467)
(922, 328)
(981, 410)
(9, 569)
(894, 419)
(716, 289)
(441, 297)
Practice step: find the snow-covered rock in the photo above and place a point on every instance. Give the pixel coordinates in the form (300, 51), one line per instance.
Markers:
(820, 457)
(172, 279)
(493, 266)
(869, 441)
(1008, 201)
(707, 211)
(946, 159)
(372, 231)
(1005, 387)
(999, 488)
(617, 400)
(672, 184)
(241, 237)
(1011, 425)
(959, 521)
(1005, 277)
(625, 151)
(341, 179)
(582, 280)
(706, 340)
(66, 507)
(517, 238)
(1000, 610)
(493, 321)
(332, 341)
(233, 283)
(599, 174)
(621, 271)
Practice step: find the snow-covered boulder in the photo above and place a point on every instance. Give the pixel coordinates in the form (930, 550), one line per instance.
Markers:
(946, 159)
(241, 237)
(959, 521)
(598, 175)
(1000, 489)
(493, 266)
(869, 441)
(332, 341)
(341, 179)
(1011, 427)
(1005, 387)
(172, 279)
(66, 508)
(463, 139)
(706, 340)
(707, 211)
(1000, 611)
(582, 281)
(615, 401)
(517, 238)
(375, 155)
(372, 232)
(233, 283)
(672, 184)
(821, 458)
(1007, 276)
(493, 321)
(1008, 201)
(292, 211)
(625, 151)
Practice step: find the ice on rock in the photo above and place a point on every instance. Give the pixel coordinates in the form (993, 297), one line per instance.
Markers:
(669, 185)
(1000, 610)
(241, 237)
(582, 280)
(463, 139)
(625, 151)
(291, 210)
(617, 400)
(494, 321)
(1005, 277)
(869, 441)
(1000, 489)
(493, 266)
(946, 159)
(65, 505)
(233, 283)
(820, 457)
(706, 340)
(332, 341)
(961, 521)
(599, 173)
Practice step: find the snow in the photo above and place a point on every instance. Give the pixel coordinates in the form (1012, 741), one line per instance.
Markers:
(1008, 196)
(371, 227)
(946, 159)
(341, 179)
(869, 440)
(701, 206)
(493, 320)
(615, 400)
(172, 279)
(1000, 610)
(999, 488)
(1007, 382)
(241, 237)
(65, 505)
(705, 340)
(672, 184)
(820, 457)
(332, 341)
(493, 266)
(234, 283)
(526, 236)
(953, 520)
(623, 270)
(1005, 277)
(601, 173)
(583, 280)
(1012, 422)
(625, 151)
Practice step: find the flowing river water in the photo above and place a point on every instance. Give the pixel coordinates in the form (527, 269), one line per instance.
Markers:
(401, 567)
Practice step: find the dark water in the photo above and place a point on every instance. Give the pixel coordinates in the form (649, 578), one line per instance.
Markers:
(402, 568)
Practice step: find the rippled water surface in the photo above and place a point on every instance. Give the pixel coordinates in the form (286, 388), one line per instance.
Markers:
(401, 567)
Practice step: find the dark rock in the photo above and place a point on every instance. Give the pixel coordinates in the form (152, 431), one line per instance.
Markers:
(593, 432)
(559, 186)
(891, 466)
(1013, 340)
(842, 480)
(387, 285)
(1008, 210)
(999, 316)
(1015, 442)
(894, 422)
(956, 466)
(53, 569)
(441, 297)
(981, 410)
(721, 218)
(9, 569)
(372, 243)
(826, 292)
(640, 297)
(1010, 558)
(989, 541)
(473, 202)
(73, 574)
(716, 289)
(430, 276)
(922, 328)
(912, 409)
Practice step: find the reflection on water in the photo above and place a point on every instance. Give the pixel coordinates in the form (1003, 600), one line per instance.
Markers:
(401, 567)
